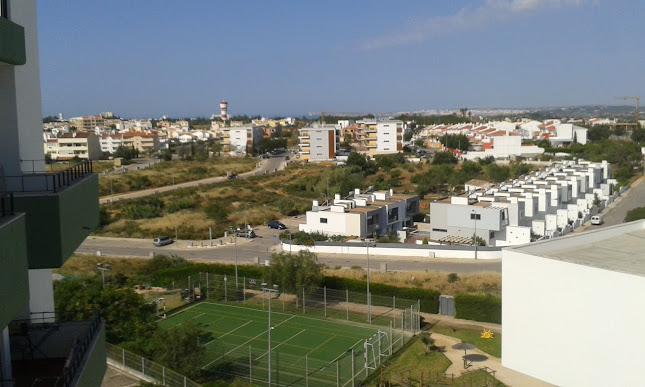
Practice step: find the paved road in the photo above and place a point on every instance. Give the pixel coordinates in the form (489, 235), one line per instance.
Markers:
(266, 166)
(615, 213)
(249, 251)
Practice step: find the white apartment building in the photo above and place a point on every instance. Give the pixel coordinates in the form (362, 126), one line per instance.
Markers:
(143, 142)
(362, 214)
(241, 140)
(84, 145)
(547, 203)
(319, 142)
(572, 307)
(389, 137)
(503, 146)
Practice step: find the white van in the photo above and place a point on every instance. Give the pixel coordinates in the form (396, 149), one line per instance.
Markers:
(596, 220)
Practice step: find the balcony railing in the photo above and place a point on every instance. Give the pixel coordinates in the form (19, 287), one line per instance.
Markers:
(6, 204)
(48, 181)
(48, 350)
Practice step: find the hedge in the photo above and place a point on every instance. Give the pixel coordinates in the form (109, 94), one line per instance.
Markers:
(478, 308)
(429, 298)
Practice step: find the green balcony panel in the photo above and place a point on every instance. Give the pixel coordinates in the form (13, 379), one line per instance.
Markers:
(58, 222)
(95, 363)
(12, 43)
(14, 281)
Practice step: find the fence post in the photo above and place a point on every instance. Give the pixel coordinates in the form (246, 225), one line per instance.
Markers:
(250, 365)
(337, 380)
(393, 309)
(306, 371)
(303, 301)
(244, 290)
(347, 303)
(352, 367)
(325, 299)
(123, 355)
(184, 381)
(391, 338)
(208, 293)
(143, 365)
(163, 376)
(189, 291)
(418, 314)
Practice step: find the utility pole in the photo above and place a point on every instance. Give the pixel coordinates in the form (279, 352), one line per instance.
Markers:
(103, 268)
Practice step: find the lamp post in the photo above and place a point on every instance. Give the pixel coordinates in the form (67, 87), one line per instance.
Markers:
(103, 268)
(269, 329)
(235, 239)
(369, 301)
(474, 216)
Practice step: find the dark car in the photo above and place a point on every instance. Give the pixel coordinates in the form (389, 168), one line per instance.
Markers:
(245, 233)
(232, 176)
(162, 241)
(277, 225)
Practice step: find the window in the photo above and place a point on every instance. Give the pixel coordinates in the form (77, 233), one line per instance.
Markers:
(439, 230)
(4, 10)
(503, 215)
(323, 220)
(475, 216)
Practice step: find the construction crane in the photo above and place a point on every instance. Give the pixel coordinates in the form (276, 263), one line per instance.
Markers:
(638, 101)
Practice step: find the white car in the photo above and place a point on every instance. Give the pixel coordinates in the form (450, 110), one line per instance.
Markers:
(596, 220)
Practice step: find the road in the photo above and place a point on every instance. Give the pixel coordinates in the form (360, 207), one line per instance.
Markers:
(269, 165)
(615, 213)
(248, 251)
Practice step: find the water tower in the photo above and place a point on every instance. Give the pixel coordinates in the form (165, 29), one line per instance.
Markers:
(224, 110)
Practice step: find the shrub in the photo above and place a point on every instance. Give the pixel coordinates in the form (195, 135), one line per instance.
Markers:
(141, 211)
(635, 214)
(453, 277)
(178, 204)
(216, 212)
(479, 308)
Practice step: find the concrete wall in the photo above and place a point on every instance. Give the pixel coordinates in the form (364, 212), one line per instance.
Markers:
(571, 332)
(429, 251)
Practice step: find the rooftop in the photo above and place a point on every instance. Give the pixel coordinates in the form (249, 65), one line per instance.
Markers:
(619, 248)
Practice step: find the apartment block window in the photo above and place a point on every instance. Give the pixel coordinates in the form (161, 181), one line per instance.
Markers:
(386, 140)
(323, 220)
(4, 9)
(439, 230)
(475, 216)
(503, 215)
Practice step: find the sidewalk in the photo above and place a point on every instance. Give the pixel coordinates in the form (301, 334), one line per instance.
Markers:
(503, 374)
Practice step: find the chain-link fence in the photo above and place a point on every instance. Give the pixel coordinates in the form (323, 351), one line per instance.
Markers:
(411, 377)
(313, 301)
(147, 369)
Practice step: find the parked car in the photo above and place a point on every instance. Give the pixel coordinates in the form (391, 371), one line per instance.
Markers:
(596, 220)
(162, 241)
(245, 234)
(232, 176)
(277, 225)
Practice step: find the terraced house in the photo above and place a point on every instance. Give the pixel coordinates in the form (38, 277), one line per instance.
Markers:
(43, 219)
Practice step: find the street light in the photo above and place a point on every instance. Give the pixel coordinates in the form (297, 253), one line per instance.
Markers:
(269, 329)
(103, 268)
(474, 215)
(235, 236)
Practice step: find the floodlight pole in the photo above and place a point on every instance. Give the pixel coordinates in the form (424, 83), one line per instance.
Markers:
(367, 251)
(103, 268)
(269, 332)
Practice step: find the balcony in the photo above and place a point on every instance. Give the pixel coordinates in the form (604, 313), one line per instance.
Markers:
(12, 44)
(392, 219)
(48, 350)
(14, 283)
(61, 208)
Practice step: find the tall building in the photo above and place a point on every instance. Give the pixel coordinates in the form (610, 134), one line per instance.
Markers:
(44, 217)
(319, 142)
(380, 137)
(241, 140)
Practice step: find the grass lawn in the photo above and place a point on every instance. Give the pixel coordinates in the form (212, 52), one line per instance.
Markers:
(490, 346)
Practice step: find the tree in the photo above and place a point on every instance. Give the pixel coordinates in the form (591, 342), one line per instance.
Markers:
(127, 316)
(445, 157)
(497, 173)
(294, 271)
(126, 152)
(638, 135)
(455, 141)
(179, 348)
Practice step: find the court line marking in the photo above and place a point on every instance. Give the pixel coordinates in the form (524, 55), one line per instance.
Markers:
(181, 311)
(199, 315)
(261, 356)
(244, 343)
(248, 322)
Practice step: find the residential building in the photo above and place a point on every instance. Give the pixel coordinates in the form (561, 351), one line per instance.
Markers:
(547, 203)
(141, 141)
(362, 214)
(389, 137)
(44, 217)
(86, 123)
(319, 142)
(241, 140)
(83, 145)
(572, 307)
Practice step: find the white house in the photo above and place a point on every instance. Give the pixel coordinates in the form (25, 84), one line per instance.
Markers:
(572, 307)
(319, 142)
(362, 214)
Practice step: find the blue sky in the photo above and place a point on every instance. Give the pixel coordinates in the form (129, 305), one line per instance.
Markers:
(180, 58)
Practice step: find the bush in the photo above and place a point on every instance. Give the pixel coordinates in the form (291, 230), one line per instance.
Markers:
(479, 308)
(141, 211)
(216, 212)
(178, 204)
(635, 214)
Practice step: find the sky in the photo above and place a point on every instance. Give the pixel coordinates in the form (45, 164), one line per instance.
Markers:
(145, 59)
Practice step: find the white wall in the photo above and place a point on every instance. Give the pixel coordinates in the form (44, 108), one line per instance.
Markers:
(562, 325)
(41, 291)
(358, 248)
(338, 223)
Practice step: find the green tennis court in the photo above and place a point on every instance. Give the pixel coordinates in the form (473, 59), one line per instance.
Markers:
(304, 350)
